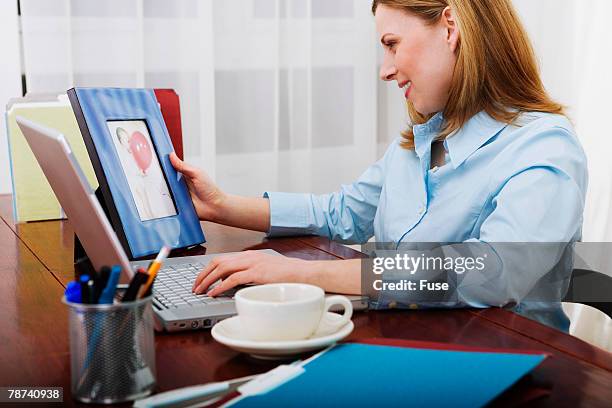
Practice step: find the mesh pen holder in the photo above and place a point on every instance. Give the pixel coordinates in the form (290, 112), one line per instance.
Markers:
(112, 351)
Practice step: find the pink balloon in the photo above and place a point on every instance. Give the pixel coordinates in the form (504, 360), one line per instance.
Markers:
(141, 151)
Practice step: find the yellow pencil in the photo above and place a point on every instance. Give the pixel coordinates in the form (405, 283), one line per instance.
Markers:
(153, 269)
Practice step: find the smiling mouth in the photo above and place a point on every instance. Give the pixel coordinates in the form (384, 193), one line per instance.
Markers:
(407, 89)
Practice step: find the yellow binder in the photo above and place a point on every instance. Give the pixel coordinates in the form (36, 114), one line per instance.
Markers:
(33, 198)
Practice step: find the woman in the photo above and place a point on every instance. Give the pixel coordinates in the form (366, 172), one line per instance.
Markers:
(489, 157)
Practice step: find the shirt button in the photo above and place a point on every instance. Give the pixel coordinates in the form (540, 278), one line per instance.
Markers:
(392, 304)
(422, 210)
(413, 306)
(435, 169)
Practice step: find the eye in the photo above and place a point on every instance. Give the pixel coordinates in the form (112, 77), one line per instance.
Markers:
(390, 45)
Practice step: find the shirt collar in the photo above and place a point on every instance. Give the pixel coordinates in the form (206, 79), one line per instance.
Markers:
(425, 133)
(471, 136)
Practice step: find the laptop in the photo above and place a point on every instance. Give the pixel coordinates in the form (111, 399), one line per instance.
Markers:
(176, 308)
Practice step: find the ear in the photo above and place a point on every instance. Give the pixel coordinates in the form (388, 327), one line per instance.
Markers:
(452, 30)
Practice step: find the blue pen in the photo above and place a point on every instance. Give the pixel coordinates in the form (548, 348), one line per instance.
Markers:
(108, 294)
(73, 292)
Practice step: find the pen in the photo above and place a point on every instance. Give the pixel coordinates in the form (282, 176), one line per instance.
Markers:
(83, 280)
(91, 292)
(193, 395)
(73, 292)
(137, 281)
(101, 279)
(152, 272)
(108, 293)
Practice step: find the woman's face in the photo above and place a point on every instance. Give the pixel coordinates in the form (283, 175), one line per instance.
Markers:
(419, 57)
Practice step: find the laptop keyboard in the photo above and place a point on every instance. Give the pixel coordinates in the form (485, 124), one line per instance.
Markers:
(172, 287)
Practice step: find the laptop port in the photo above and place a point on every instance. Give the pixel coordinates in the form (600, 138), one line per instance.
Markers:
(207, 323)
(182, 325)
(194, 324)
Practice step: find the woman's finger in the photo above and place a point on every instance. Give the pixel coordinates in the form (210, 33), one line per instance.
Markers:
(207, 270)
(182, 167)
(226, 267)
(212, 265)
(238, 278)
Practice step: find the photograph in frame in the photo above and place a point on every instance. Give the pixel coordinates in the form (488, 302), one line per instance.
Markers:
(129, 146)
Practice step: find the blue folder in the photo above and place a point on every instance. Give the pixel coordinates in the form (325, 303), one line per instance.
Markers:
(379, 376)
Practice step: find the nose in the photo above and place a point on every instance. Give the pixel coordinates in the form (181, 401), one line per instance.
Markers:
(387, 71)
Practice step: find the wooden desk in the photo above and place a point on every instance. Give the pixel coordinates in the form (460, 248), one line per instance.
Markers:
(36, 264)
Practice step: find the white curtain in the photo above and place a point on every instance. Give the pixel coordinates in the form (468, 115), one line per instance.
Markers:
(275, 94)
(284, 94)
(10, 80)
(574, 45)
(593, 112)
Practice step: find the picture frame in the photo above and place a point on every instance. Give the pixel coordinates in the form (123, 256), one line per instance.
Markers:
(146, 199)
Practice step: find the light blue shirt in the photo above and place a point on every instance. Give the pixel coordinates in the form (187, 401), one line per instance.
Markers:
(524, 182)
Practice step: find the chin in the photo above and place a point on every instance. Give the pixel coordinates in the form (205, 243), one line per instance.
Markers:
(424, 109)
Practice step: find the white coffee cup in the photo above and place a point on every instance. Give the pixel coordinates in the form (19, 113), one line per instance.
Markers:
(289, 311)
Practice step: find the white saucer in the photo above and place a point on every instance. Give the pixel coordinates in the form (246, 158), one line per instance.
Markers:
(229, 332)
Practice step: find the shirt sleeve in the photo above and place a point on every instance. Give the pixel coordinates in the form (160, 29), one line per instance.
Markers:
(540, 213)
(537, 212)
(346, 216)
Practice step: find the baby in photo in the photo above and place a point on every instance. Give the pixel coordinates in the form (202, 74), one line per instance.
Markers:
(142, 170)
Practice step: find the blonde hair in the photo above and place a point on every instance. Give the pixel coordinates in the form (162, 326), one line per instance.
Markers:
(496, 69)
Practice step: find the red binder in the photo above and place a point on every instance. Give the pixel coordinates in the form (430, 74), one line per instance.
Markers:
(171, 111)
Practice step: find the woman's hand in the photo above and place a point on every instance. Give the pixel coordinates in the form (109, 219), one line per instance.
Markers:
(214, 205)
(249, 267)
(206, 196)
